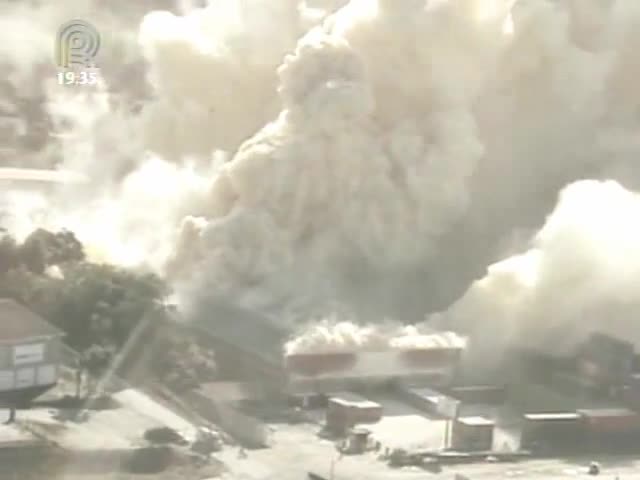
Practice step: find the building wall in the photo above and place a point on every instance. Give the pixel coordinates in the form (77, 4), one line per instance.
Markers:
(29, 364)
(393, 364)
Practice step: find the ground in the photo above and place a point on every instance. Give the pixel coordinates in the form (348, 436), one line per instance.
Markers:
(91, 442)
(297, 450)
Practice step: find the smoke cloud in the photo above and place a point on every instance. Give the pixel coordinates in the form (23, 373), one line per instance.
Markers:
(293, 156)
(580, 275)
(335, 334)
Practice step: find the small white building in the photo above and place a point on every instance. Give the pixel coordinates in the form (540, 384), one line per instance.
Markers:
(29, 353)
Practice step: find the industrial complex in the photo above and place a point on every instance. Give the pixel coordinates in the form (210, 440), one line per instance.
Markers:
(375, 411)
(411, 407)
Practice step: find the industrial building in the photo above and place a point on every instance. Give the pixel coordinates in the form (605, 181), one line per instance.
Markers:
(29, 354)
(249, 346)
(580, 402)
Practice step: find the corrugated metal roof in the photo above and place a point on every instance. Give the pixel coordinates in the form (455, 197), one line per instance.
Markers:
(19, 323)
(244, 329)
(354, 400)
(551, 416)
(607, 412)
(475, 421)
(427, 393)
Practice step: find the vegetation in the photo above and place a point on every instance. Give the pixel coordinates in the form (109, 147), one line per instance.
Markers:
(92, 303)
(100, 308)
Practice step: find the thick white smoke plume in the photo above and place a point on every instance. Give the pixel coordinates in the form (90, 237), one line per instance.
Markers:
(367, 163)
(580, 275)
(286, 154)
(334, 334)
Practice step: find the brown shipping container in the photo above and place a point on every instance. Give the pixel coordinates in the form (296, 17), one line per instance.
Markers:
(560, 430)
(611, 420)
(472, 434)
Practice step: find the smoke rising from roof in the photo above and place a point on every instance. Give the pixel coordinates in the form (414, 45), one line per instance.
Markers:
(335, 334)
(580, 275)
(373, 153)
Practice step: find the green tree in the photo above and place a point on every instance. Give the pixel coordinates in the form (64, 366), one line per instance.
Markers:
(9, 258)
(42, 249)
(102, 304)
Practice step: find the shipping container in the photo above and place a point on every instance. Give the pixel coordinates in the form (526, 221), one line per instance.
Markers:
(431, 401)
(612, 429)
(483, 394)
(559, 431)
(346, 410)
(472, 434)
(610, 420)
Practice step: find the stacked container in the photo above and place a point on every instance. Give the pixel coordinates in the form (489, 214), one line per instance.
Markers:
(472, 434)
(346, 410)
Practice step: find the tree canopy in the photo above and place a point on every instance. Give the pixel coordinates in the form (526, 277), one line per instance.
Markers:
(93, 303)
(100, 308)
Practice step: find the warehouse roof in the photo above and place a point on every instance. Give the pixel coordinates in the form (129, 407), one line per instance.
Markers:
(19, 323)
(349, 399)
(552, 416)
(427, 393)
(244, 329)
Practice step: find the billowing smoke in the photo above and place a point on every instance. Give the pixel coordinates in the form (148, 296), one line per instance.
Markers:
(581, 274)
(334, 334)
(345, 176)
(290, 156)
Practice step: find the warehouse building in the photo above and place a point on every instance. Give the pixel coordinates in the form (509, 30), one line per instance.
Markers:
(249, 346)
(29, 353)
